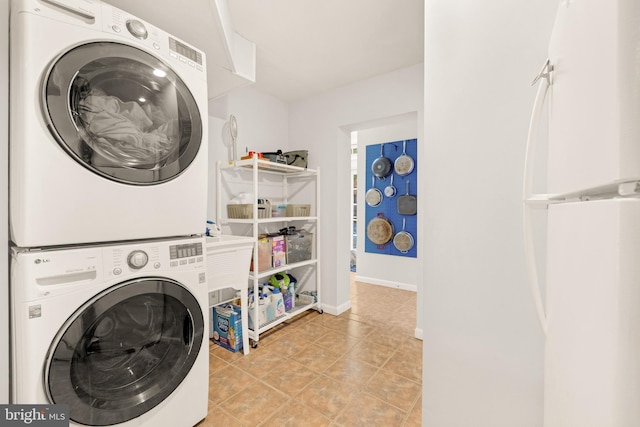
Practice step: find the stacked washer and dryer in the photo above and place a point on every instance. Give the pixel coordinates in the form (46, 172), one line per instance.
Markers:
(108, 171)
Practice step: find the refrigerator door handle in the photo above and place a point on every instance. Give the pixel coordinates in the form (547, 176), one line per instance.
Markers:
(545, 73)
(530, 200)
(532, 272)
(544, 79)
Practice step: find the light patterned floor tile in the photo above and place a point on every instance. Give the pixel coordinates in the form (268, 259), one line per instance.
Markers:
(293, 414)
(215, 364)
(327, 396)
(349, 327)
(289, 377)
(257, 362)
(415, 416)
(407, 364)
(377, 413)
(372, 353)
(316, 357)
(326, 371)
(337, 342)
(227, 382)
(394, 389)
(254, 404)
(351, 370)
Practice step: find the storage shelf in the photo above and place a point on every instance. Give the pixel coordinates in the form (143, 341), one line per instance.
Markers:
(274, 181)
(284, 267)
(270, 220)
(280, 319)
(268, 166)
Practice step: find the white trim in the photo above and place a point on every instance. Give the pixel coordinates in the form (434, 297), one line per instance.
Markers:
(336, 311)
(387, 283)
(417, 333)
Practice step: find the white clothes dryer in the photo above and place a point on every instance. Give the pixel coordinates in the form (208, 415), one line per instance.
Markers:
(108, 127)
(119, 333)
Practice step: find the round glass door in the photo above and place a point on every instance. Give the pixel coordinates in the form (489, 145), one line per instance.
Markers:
(124, 351)
(122, 113)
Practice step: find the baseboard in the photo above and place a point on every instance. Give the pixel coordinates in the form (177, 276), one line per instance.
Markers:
(336, 310)
(417, 333)
(387, 283)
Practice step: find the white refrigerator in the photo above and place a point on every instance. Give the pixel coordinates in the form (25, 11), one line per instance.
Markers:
(589, 304)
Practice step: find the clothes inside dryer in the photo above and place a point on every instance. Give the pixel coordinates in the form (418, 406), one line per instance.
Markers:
(126, 114)
(135, 133)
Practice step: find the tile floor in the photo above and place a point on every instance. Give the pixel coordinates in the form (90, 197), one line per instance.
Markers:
(362, 368)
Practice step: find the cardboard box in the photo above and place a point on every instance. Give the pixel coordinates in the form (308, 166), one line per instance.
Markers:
(226, 327)
(278, 251)
(264, 254)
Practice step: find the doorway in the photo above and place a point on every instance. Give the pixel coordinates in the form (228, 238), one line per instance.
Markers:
(373, 267)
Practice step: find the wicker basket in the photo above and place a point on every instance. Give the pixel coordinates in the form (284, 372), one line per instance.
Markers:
(298, 210)
(245, 211)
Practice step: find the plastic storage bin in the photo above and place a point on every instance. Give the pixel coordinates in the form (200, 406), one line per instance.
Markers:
(299, 246)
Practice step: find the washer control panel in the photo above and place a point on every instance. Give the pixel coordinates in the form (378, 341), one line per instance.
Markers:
(137, 259)
(184, 254)
(137, 29)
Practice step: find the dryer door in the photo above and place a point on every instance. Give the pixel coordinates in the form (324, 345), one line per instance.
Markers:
(122, 113)
(124, 351)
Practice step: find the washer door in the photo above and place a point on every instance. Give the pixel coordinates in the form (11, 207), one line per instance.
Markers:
(124, 351)
(122, 113)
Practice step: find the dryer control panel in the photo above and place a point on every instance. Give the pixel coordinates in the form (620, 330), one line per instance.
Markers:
(178, 52)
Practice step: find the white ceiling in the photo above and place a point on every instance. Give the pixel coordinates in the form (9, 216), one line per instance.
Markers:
(303, 47)
(306, 47)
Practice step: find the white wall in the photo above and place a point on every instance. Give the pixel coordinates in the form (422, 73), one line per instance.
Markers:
(322, 125)
(263, 125)
(263, 120)
(372, 267)
(4, 201)
(483, 348)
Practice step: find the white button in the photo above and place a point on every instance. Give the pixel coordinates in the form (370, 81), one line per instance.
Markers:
(117, 271)
(191, 63)
(156, 46)
(199, 67)
(156, 265)
(116, 28)
(173, 54)
(183, 59)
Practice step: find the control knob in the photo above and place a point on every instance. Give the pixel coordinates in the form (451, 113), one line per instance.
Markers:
(137, 29)
(137, 259)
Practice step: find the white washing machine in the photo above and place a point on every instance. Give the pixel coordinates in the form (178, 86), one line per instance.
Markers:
(108, 127)
(119, 333)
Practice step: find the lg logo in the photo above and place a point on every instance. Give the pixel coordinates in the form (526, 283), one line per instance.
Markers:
(43, 260)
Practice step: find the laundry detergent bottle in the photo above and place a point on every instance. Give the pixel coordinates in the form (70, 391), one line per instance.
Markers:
(278, 302)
